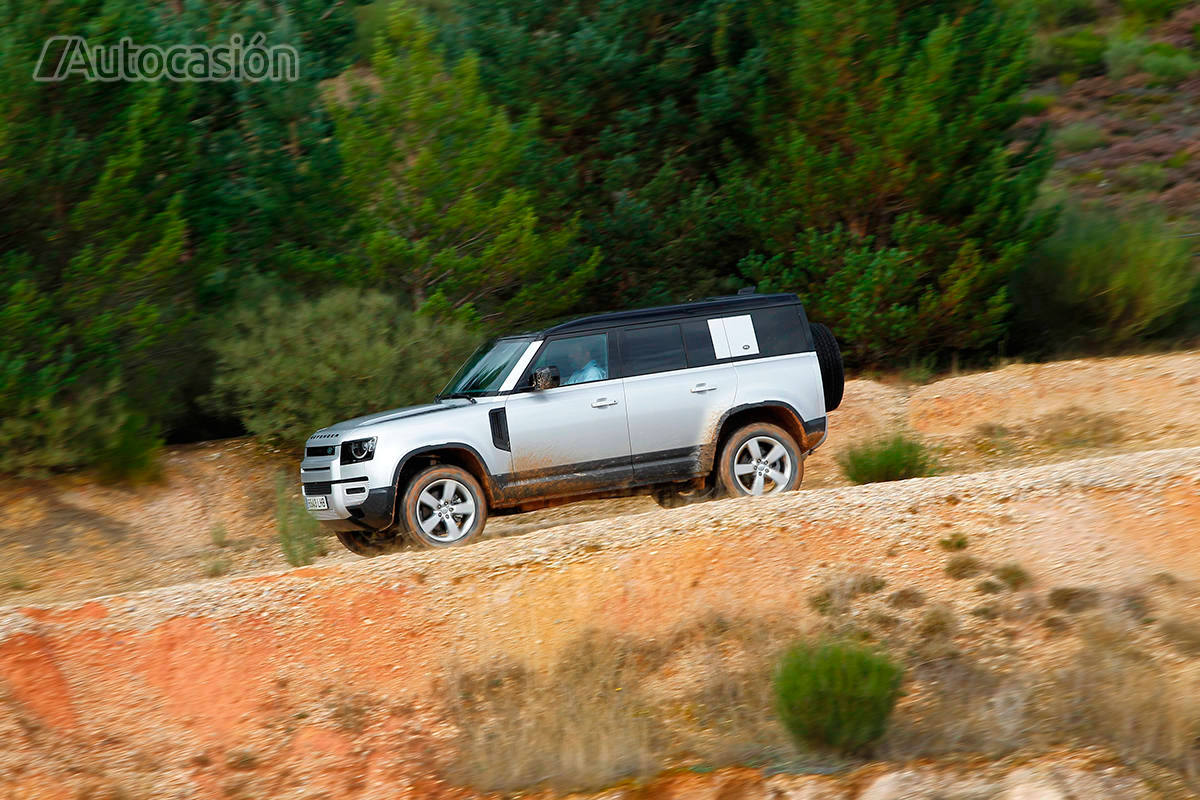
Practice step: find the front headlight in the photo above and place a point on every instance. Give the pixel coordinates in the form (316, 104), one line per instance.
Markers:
(358, 450)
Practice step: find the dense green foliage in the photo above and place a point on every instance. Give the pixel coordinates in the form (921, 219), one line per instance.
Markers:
(431, 167)
(452, 168)
(898, 203)
(287, 368)
(836, 696)
(129, 208)
(1103, 281)
(894, 459)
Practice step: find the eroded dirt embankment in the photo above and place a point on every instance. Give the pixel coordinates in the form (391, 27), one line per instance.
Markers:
(190, 689)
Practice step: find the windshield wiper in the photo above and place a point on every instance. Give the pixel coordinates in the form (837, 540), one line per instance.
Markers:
(454, 395)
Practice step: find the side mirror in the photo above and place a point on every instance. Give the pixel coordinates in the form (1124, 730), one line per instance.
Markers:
(545, 378)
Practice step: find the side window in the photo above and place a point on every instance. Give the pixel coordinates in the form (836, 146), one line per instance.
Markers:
(779, 331)
(697, 337)
(580, 359)
(657, 349)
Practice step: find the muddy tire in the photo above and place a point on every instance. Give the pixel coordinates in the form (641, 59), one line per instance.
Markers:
(368, 543)
(443, 506)
(829, 356)
(758, 459)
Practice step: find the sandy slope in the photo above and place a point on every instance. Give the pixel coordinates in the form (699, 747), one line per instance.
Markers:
(163, 688)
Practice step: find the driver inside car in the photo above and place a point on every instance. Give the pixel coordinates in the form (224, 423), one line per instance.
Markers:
(589, 369)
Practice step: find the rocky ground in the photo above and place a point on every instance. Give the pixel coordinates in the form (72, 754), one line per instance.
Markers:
(1008, 592)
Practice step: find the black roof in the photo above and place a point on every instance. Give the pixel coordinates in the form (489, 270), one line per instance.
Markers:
(701, 308)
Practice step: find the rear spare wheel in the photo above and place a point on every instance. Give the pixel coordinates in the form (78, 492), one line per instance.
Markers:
(833, 378)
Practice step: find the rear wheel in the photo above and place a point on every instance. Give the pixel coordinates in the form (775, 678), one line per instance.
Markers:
(443, 506)
(759, 459)
(369, 543)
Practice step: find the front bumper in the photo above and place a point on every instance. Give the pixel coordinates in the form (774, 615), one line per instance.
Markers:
(352, 501)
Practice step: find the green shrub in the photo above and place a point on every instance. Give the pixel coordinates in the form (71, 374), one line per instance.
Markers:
(836, 696)
(218, 535)
(217, 567)
(132, 456)
(887, 460)
(1124, 55)
(1059, 13)
(298, 532)
(1103, 280)
(288, 368)
(1169, 68)
(1080, 136)
(1080, 52)
(1141, 177)
(1151, 10)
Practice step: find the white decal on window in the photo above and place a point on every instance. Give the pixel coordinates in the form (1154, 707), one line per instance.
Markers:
(739, 333)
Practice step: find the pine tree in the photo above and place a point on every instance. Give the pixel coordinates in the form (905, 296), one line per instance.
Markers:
(431, 166)
(895, 198)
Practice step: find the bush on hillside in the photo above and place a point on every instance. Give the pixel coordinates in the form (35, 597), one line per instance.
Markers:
(836, 696)
(891, 459)
(298, 532)
(1123, 55)
(1151, 10)
(288, 368)
(1060, 13)
(1077, 52)
(1103, 281)
(1080, 136)
(1169, 68)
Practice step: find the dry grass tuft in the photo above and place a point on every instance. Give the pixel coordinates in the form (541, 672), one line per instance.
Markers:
(837, 595)
(1184, 634)
(906, 598)
(938, 621)
(963, 566)
(955, 541)
(1013, 575)
(1077, 428)
(1074, 599)
(599, 715)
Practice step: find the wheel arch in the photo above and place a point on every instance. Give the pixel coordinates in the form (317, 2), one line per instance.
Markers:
(458, 454)
(774, 412)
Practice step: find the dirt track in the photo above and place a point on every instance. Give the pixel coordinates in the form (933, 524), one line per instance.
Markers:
(164, 685)
(71, 538)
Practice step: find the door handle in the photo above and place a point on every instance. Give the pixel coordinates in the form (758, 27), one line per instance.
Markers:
(602, 402)
(702, 387)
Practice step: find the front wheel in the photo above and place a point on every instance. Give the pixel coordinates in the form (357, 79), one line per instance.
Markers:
(443, 506)
(760, 459)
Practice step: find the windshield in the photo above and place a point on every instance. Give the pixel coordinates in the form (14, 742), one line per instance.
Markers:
(487, 367)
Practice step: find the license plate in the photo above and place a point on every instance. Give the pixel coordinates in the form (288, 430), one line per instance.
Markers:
(316, 503)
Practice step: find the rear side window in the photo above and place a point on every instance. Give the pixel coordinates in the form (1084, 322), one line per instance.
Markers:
(780, 331)
(697, 337)
(657, 349)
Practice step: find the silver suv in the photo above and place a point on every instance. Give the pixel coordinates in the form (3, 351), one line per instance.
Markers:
(721, 397)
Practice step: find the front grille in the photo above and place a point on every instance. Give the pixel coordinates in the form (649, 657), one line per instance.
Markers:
(323, 450)
(319, 487)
